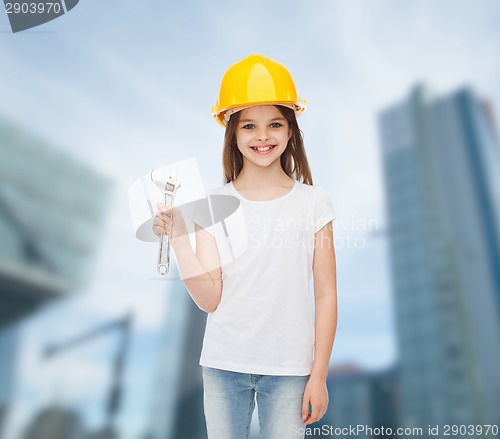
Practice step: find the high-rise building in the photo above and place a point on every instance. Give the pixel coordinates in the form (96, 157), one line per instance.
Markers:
(178, 400)
(441, 162)
(8, 348)
(56, 423)
(51, 212)
(359, 400)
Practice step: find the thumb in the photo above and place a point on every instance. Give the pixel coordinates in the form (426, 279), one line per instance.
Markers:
(161, 207)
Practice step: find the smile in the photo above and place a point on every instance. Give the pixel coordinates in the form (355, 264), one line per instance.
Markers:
(262, 149)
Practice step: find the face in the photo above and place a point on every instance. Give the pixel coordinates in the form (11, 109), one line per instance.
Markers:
(262, 135)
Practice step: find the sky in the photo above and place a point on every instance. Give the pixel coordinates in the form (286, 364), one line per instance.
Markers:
(123, 86)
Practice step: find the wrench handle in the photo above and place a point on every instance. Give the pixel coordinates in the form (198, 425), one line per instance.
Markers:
(164, 252)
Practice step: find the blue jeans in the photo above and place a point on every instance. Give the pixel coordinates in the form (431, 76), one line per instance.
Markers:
(229, 401)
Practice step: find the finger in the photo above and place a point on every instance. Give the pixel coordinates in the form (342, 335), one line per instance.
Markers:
(161, 224)
(314, 417)
(161, 228)
(323, 410)
(162, 217)
(310, 420)
(305, 407)
(164, 208)
(162, 213)
(161, 231)
(158, 221)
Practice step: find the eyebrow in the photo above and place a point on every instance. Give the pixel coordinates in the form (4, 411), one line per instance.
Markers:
(272, 120)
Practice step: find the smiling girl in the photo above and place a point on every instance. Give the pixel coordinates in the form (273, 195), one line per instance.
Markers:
(261, 341)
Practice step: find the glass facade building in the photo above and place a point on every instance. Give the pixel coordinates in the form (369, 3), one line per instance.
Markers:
(360, 401)
(51, 212)
(441, 162)
(178, 396)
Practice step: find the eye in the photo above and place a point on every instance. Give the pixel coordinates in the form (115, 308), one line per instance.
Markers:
(276, 125)
(248, 126)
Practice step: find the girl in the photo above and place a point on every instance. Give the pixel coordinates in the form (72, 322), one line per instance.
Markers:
(260, 339)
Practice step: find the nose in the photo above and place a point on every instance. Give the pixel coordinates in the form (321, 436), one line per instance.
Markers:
(263, 135)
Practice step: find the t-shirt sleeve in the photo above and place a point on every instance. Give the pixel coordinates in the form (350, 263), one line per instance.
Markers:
(324, 212)
(202, 216)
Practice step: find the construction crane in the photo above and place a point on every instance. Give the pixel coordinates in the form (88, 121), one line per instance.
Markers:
(115, 394)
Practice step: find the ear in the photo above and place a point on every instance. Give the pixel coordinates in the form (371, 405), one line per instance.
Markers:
(289, 133)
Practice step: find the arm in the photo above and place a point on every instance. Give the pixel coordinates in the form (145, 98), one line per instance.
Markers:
(325, 299)
(201, 272)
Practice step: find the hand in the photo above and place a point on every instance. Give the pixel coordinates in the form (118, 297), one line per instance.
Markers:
(315, 394)
(169, 216)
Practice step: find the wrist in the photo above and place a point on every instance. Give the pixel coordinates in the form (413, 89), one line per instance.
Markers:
(181, 241)
(318, 375)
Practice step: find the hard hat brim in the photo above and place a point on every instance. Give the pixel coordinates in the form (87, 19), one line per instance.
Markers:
(220, 114)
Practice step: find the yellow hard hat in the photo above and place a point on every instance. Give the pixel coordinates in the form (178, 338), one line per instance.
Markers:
(256, 80)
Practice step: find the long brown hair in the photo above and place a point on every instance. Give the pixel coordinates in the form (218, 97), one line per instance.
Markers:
(293, 160)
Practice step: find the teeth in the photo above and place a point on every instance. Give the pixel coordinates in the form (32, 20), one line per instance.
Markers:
(266, 148)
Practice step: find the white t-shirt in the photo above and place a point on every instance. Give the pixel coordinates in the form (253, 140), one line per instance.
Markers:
(264, 323)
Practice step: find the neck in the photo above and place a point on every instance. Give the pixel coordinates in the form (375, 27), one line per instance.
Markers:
(258, 177)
